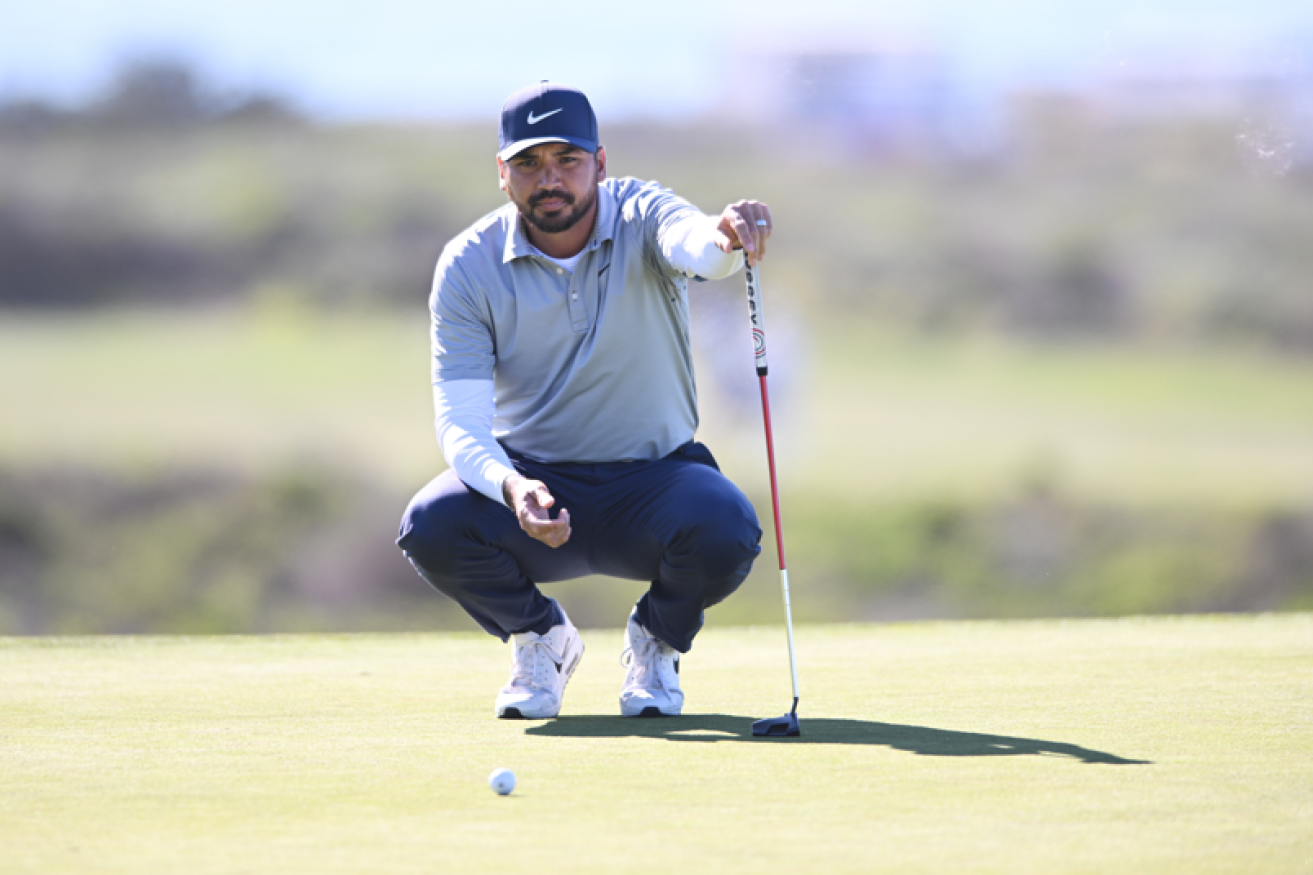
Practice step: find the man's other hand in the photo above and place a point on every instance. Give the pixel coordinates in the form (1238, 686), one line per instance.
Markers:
(530, 501)
(745, 225)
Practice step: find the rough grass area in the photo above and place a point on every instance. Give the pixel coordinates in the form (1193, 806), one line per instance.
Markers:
(308, 550)
(854, 409)
(1141, 745)
(244, 471)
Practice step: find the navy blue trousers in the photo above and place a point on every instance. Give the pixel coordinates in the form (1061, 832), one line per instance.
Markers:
(677, 522)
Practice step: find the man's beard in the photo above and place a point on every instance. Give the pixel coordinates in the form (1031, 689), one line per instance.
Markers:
(565, 218)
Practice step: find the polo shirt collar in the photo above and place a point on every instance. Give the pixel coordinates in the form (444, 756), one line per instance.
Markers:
(517, 242)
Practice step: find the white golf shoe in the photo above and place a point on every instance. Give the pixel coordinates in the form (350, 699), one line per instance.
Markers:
(652, 684)
(540, 669)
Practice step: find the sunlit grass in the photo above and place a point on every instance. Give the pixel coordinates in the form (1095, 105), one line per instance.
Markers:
(857, 409)
(1167, 745)
(220, 389)
(880, 414)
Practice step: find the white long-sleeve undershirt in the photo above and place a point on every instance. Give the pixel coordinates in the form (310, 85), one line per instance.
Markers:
(690, 247)
(463, 409)
(463, 417)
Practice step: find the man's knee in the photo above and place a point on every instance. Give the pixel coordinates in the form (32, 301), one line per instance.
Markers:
(723, 536)
(435, 527)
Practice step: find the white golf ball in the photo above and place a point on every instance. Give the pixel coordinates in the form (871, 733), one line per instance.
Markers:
(502, 781)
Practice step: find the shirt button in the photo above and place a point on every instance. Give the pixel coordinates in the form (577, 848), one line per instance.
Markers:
(560, 270)
(575, 296)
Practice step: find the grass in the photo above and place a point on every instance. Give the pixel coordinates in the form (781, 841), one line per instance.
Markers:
(1139, 745)
(907, 468)
(907, 417)
(221, 390)
(1127, 424)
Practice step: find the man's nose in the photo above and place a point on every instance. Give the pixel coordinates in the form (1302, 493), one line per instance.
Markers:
(550, 177)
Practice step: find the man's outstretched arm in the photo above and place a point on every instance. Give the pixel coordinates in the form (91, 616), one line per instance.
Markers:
(713, 247)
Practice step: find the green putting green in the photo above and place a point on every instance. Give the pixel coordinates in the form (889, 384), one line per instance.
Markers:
(1139, 745)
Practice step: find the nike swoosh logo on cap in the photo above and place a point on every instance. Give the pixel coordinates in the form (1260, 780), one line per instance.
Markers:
(534, 120)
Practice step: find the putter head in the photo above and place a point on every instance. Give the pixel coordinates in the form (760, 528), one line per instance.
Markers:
(782, 727)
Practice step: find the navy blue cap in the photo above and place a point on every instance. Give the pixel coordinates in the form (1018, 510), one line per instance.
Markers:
(546, 113)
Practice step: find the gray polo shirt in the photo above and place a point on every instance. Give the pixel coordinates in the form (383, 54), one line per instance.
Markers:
(589, 366)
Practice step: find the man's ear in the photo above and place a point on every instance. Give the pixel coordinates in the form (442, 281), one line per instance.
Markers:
(601, 163)
(502, 169)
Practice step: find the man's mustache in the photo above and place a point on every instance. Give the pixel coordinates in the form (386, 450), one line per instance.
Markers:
(541, 196)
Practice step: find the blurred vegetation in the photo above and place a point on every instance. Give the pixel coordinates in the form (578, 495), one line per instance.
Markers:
(1043, 555)
(1076, 225)
(302, 549)
(193, 551)
(1065, 375)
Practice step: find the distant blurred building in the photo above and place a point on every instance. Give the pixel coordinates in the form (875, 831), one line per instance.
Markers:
(1201, 82)
(1267, 92)
(888, 98)
(901, 97)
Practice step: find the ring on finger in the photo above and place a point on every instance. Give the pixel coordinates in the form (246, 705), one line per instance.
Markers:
(762, 223)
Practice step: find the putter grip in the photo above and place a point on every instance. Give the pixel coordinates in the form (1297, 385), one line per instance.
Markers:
(758, 322)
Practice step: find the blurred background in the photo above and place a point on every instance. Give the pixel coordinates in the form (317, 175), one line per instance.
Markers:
(1040, 298)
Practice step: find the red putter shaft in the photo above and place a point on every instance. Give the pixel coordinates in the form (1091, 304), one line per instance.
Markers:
(770, 456)
(759, 351)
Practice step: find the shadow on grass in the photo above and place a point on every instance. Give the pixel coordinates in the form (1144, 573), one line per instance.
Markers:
(921, 740)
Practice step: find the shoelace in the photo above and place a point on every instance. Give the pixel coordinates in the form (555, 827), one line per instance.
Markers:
(642, 662)
(534, 669)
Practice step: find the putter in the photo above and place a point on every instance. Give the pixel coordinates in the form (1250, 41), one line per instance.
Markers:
(788, 724)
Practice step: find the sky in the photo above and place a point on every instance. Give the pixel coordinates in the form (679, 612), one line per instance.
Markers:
(673, 59)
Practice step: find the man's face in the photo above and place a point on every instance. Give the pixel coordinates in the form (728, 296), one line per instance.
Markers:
(554, 185)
